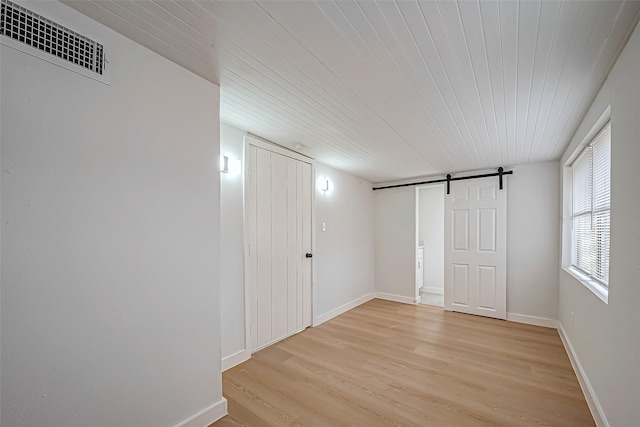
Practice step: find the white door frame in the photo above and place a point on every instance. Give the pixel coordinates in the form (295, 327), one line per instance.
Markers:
(258, 142)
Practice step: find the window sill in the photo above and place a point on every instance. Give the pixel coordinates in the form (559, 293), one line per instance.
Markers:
(595, 287)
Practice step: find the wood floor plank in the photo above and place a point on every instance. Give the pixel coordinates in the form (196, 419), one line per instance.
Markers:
(392, 364)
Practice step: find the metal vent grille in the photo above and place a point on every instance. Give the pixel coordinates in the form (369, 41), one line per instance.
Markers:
(43, 34)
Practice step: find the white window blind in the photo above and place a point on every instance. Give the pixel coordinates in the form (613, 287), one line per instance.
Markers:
(592, 208)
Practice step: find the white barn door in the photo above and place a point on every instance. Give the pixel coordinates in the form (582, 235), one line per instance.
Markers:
(278, 209)
(475, 248)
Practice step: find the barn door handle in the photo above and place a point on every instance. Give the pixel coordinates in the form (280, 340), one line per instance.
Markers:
(308, 255)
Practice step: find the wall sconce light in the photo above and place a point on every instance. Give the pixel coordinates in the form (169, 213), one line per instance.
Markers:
(326, 185)
(224, 164)
(230, 165)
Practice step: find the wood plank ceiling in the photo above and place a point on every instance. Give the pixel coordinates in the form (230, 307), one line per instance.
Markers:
(390, 90)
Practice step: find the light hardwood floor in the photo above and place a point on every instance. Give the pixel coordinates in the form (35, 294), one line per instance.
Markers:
(385, 363)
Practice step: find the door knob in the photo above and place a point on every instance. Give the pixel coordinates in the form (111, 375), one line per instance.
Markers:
(308, 255)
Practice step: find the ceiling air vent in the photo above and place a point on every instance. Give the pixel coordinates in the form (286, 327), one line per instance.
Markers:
(31, 29)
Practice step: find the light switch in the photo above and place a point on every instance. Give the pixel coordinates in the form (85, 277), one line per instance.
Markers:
(324, 226)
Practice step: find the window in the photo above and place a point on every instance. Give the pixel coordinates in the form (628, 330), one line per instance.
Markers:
(591, 209)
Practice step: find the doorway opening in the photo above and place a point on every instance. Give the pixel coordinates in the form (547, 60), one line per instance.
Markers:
(430, 244)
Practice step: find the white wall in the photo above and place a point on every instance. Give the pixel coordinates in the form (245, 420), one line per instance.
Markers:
(532, 242)
(605, 337)
(232, 244)
(110, 240)
(533, 225)
(343, 261)
(395, 242)
(431, 233)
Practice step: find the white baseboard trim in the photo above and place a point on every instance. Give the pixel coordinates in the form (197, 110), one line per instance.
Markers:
(207, 416)
(532, 320)
(396, 298)
(235, 359)
(592, 401)
(343, 308)
(432, 290)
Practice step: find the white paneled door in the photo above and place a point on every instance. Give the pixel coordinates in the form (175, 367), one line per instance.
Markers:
(278, 209)
(475, 248)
